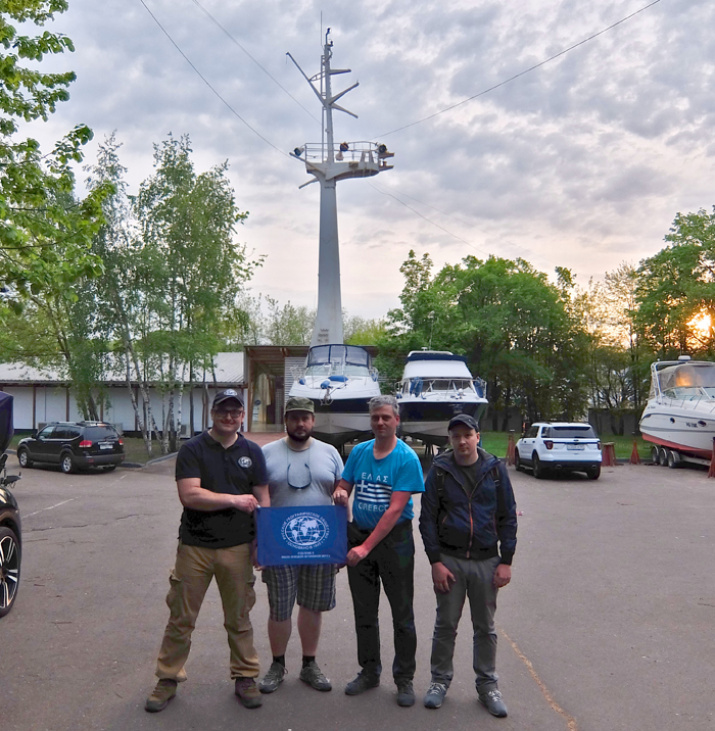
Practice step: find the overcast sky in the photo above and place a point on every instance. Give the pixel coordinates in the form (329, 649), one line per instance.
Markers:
(582, 162)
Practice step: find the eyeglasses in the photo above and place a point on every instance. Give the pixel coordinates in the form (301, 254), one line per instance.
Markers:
(299, 476)
(230, 413)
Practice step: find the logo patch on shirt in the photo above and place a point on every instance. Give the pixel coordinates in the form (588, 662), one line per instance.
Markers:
(245, 462)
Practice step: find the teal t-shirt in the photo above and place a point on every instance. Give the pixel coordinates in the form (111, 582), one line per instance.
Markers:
(374, 481)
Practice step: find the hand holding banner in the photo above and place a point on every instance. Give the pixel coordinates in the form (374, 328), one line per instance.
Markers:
(311, 534)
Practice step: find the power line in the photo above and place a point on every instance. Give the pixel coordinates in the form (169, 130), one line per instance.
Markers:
(208, 83)
(258, 63)
(521, 73)
(429, 220)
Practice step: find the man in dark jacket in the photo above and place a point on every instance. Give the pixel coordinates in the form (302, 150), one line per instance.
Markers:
(468, 526)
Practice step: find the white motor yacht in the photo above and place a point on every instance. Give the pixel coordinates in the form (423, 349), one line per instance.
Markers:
(340, 380)
(436, 385)
(680, 414)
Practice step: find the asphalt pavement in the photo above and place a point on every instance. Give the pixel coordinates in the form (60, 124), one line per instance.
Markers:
(607, 624)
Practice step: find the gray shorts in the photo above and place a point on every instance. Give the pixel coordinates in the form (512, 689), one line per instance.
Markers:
(313, 586)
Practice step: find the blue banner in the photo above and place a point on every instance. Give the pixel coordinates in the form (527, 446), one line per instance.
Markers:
(312, 534)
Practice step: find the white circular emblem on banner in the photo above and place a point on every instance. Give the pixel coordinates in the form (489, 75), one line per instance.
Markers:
(305, 531)
(245, 462)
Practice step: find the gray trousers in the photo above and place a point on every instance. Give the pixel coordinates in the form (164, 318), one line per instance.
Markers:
(474, 579)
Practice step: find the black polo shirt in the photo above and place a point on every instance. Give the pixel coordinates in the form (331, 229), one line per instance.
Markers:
(234, 471)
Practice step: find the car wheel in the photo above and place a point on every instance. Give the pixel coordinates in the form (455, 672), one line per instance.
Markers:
(66, 463)
(9, 569)
(24, 458)
(594, 471)
(654, 456)
(517, 462)
(674, 460)
(539, 469)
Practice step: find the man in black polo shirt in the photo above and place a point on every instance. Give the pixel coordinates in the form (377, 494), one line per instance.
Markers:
(221, 478)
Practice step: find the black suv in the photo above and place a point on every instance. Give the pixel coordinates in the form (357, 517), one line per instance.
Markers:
(73, 446)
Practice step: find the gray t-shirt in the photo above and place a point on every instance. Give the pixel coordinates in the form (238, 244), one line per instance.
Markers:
(302, 478)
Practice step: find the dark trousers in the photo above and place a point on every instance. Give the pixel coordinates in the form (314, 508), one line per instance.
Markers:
(391, 562)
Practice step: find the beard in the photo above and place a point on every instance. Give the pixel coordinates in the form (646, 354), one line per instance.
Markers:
(303, 437)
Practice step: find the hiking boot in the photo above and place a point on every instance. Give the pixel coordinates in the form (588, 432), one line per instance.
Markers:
(248, 693)
(363, 682)
(313, 675)
(273, 678)
(159, 699)
(435, 695)
(405, 694)
(492, 701)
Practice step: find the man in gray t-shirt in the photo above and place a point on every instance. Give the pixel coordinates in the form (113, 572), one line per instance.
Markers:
(301, 472)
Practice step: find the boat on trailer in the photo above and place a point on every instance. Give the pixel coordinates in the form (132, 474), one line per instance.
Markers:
(340, 380)
(679, 417)
(437, 385)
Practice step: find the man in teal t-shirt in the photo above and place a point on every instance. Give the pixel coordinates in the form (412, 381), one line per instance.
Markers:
(384, 473)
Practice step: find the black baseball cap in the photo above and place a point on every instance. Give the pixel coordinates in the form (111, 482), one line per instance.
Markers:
(463, 420)
(229, 393)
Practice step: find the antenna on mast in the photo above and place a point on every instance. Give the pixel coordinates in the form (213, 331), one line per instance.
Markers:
(328, 163)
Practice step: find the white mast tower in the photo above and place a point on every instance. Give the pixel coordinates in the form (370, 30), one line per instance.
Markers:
(329, 163)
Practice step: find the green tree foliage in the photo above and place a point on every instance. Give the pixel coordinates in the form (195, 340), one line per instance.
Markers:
(188, 270)
(360, 331)
(678, 284)
(619, 358)
(45, 232)
(516, 329)
(287, 324)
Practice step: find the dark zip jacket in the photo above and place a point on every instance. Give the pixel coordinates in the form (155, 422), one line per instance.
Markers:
(474, 523)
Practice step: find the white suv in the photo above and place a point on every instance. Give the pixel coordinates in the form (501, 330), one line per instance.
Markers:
(559, 446)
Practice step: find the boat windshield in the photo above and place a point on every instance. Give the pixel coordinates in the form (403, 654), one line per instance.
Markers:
(688, 375)
(338, 360)
(686, 394)
(417, 386)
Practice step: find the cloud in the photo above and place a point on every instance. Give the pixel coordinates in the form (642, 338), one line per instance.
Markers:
(582, 162)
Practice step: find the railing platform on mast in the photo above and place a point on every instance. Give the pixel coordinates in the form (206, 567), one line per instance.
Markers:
(348, 159)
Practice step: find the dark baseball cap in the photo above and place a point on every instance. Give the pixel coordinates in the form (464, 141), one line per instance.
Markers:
(229, 393)
(463, 420)
(299, 403)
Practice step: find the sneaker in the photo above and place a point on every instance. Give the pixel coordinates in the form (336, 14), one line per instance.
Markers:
(492, 701)
(405, 694)
(159, 699)
(273, 678)
(435, 695)
(313, 675)
(248, 693)
(363, 682)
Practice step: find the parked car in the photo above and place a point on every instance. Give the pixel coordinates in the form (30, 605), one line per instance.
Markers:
(10, 529)
(73, 446)
(559, 446)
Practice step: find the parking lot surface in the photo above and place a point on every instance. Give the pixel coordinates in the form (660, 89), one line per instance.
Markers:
(607, 624)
